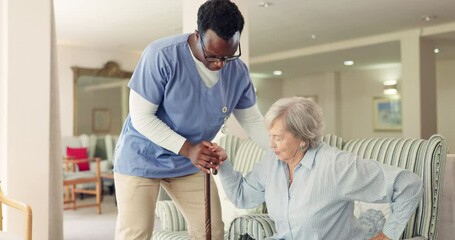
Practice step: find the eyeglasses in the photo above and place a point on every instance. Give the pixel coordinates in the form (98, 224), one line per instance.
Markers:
(219, 59)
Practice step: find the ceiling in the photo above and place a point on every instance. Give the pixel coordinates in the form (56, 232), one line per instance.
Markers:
(280, 36)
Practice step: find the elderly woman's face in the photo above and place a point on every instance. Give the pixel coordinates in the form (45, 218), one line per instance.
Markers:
(284, 144)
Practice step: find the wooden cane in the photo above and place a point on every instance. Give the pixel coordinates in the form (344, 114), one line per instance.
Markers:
(208, 220)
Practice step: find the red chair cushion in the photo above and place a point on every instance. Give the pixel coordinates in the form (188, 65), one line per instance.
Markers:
(79, 153)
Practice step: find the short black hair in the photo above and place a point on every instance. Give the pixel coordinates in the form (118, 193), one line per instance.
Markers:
(222, 16)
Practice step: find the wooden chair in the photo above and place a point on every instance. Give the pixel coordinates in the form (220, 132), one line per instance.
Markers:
(24, 208)
(71, 178)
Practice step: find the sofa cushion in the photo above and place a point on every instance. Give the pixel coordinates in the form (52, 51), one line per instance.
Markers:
(79, 153)
(229, 211)
(372, 222)
(170, 217)
(363, 207)
(372, 216)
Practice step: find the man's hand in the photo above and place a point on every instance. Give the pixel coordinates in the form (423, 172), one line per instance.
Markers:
(380, 236)
(220, 152)
(201, 155)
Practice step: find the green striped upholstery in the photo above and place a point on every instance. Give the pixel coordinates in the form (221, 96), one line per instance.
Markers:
(170, 217)
(261, 227)
(230, 144)
(424, 157)
(333, 140)
(162, 235)
(170, 235)
(248, 154)
(239, 226)
(257, 226)
(173, 225)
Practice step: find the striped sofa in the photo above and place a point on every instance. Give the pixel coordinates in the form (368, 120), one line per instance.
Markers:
(424, 157)
(243, 153)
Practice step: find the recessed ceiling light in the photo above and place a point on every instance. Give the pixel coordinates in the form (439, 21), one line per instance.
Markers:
(436, 50)
(428, 18)
(313, 36)
(390, 82)
(277, 73)
(264, 4)
(348, 63)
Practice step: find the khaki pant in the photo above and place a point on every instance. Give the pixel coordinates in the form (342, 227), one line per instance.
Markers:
(136, 201)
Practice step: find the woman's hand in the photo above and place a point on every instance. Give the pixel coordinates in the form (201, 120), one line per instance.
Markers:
(220, 154)
(201, 155)
(380, 236)
(219, 151)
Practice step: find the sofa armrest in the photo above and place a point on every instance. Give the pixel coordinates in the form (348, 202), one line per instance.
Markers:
(257, 226)
(261, 227)
(170, 217)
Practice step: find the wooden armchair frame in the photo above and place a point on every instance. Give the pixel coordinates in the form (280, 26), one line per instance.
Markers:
(73, 178)
(26, 209)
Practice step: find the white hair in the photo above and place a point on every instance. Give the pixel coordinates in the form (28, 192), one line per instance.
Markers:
(302, 117)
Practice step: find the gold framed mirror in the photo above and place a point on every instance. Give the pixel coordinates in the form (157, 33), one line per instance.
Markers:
(100, 99)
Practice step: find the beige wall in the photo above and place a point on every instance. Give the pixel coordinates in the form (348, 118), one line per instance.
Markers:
(267, 92)
(445, 80)
(357, 89)
(89, 58)
(26, 129)
(108, 99)
(320, 87)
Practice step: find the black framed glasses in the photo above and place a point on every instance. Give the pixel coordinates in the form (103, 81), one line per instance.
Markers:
(219, 59)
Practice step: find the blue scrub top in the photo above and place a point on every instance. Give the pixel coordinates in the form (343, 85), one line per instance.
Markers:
(166, 75)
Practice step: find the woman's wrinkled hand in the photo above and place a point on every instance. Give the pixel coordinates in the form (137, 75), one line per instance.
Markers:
(219, 151)
(201, 155)
(220, 154)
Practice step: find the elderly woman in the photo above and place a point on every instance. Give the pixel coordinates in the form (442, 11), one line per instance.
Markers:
(310, 187)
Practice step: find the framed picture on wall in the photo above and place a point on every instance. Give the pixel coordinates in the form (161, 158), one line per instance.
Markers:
(101, 120)
(387, 114)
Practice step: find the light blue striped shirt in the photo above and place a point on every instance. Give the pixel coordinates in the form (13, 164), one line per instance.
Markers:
(319, 204)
